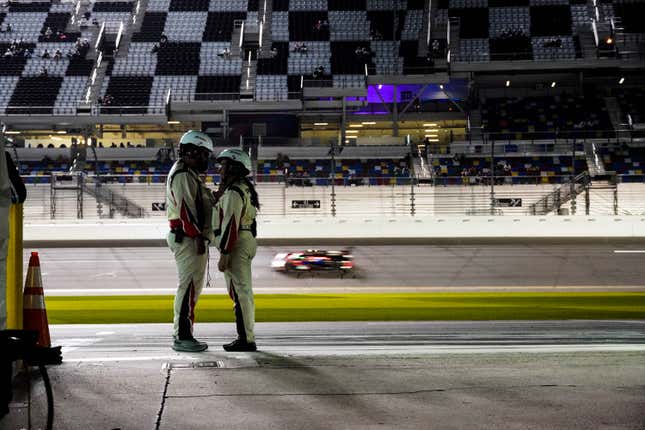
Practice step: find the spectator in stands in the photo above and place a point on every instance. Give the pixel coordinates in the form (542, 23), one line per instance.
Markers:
(95, 22)
(108, 99)
(163, 40)
(45, 54)
(87, 15)
(274, 52)
(48, 33)
(58, 55)
(44, 73)
(318, 25)
(435, 48)
(8, 53)
(224, 53)
(27, 53)
(113, 145)
(319, 72)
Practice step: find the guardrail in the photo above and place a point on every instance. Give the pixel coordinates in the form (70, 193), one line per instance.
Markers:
(349, 196)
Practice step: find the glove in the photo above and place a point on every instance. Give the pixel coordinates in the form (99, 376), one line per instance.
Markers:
(224, 263)
(201, 245)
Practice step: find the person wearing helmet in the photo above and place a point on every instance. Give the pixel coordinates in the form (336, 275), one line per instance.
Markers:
(189, 205)
(235, 231)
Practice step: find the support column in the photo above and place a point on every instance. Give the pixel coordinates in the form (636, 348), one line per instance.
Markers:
(343, 122)
(395, 112)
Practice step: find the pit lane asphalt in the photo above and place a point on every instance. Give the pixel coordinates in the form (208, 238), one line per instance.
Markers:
(396, 268)
(386, 375)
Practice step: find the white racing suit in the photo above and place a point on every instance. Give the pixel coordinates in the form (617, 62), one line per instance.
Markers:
(234, 225)
(189, 206)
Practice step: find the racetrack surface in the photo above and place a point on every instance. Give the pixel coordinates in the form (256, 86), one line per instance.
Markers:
(392, 268)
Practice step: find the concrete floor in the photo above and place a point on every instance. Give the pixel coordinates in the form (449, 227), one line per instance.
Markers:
(407, 375)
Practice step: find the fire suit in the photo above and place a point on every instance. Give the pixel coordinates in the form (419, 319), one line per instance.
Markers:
(189, 206)
(234, 225)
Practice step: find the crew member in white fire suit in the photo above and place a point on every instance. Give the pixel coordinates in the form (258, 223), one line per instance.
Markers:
(235, 231)
(189, 205)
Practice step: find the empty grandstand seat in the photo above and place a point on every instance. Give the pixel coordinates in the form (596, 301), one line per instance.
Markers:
(128, 91)
(37, 92)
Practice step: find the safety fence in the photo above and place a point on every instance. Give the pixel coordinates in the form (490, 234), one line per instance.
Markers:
(357, 196)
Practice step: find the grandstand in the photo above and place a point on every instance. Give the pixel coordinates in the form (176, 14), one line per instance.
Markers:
(451, 106)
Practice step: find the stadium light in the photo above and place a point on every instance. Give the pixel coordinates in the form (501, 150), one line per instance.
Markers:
(508, 83)
(174, 122)
(441, 86)
(351, 131)
(433, 140)
(380, 86)
(321, 123)
(11, 132)
(553, 84)
(61, 132)
(368, 123)
(621, 81)
(432, 124)
(431, 130)
(609, 41)
(356, 125)
(431, 135)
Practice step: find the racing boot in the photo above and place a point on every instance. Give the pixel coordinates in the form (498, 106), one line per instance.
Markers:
(189, 345)
(240, 345)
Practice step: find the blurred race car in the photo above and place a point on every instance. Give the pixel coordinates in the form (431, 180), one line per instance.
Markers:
(314, 260)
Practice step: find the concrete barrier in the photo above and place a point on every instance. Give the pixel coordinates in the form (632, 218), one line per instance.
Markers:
(355, 230)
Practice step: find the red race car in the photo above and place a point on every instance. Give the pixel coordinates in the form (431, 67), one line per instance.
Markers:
(312, 260)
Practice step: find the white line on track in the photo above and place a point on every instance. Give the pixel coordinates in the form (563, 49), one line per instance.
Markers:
(129, 358)
(349, 289)
(383, 350)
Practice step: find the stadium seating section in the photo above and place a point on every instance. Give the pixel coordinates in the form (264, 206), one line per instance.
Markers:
(501, 30)
(28, 76)
(538, 117)
(625, 161)
(340, 36)
(632, 103)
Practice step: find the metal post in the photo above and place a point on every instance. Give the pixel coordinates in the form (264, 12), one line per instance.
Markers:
(79, 196)
(572, 185)
(52, 196)
(587, 201)
(492, 172)
(395, 113)
(343, 121)
(333, 178)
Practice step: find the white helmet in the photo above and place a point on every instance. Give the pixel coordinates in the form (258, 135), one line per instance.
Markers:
(236, 154)
(197, 138)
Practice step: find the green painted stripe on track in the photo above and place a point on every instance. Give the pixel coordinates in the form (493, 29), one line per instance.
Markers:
(356, 307)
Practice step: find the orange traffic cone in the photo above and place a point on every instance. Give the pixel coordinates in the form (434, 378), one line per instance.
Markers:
(34, 312)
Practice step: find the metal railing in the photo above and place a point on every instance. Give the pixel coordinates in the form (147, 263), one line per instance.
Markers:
(187, 97)
(355, 196)
(567, 192)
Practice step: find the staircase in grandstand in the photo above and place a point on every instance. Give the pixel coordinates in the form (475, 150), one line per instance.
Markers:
(115, 202)
(567, 192)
